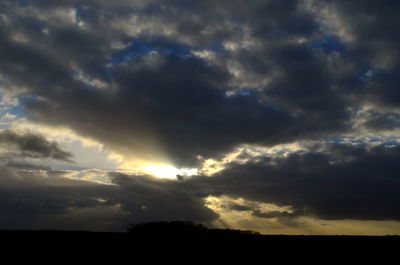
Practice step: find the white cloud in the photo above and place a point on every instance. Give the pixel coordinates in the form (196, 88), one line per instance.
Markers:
(91, 175)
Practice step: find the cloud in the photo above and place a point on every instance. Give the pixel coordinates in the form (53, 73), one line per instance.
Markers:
(382, 121)
(186, 116)
(27, 145)
(167, 83)
(163, 101)
(370, 43)
(48, 200)
(337, 182)
(25, 166)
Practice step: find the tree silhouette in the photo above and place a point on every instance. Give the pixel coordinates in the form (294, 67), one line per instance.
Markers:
(174, 228)
(183, 228)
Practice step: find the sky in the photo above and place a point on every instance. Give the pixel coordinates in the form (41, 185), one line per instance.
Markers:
(281, 117)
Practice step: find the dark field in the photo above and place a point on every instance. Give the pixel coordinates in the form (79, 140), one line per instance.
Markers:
(62, 246)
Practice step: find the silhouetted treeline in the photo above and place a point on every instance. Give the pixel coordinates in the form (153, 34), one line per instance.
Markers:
(182, 228)
(167, 239)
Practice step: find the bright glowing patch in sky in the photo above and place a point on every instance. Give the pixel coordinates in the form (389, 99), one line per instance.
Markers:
(168, 171)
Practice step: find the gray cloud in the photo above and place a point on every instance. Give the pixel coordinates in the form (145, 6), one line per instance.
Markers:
(48, 200)
(183, 109)
(382, 121)
(361, 184)
(171, 98)
(166, 200)
(21, 165)
(156, 95)
(27, 145)
(371, 28)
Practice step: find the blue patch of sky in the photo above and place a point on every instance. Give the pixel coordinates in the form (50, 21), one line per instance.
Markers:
(358, 142)
(335, 140)
(17, 110)
(260, 152)
(366, 141)
(394, 116)
(373, 139)
(139, 48)
(83, 13)
(245, 92)
(280, 152)
(78, 14)
(379, 74)
(344, 140)
(11, 107)
(216, 47)
(20, 109)
(329, 44)
(285, 151)
(366, 72)
(391, 144)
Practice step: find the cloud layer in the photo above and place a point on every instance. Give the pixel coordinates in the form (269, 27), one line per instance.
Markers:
(169, 82)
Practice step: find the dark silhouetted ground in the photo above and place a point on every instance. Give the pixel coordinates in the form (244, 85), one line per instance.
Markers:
(192, 242)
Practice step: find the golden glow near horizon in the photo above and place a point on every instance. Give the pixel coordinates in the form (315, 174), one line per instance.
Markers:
(157, 169)
(296, 225)
(162, 171)
(94, 155)
(168, 171)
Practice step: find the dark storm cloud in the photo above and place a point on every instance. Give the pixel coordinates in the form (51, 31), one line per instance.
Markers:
(152, 199)
(372, 24)
(304, 87)
(372, 28)
(179, 101)
(39, 200)
(27, 145)
(363, 184)
(155, 92)
(379, 121)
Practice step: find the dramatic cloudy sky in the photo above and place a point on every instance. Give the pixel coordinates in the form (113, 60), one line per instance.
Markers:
(276, 116)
